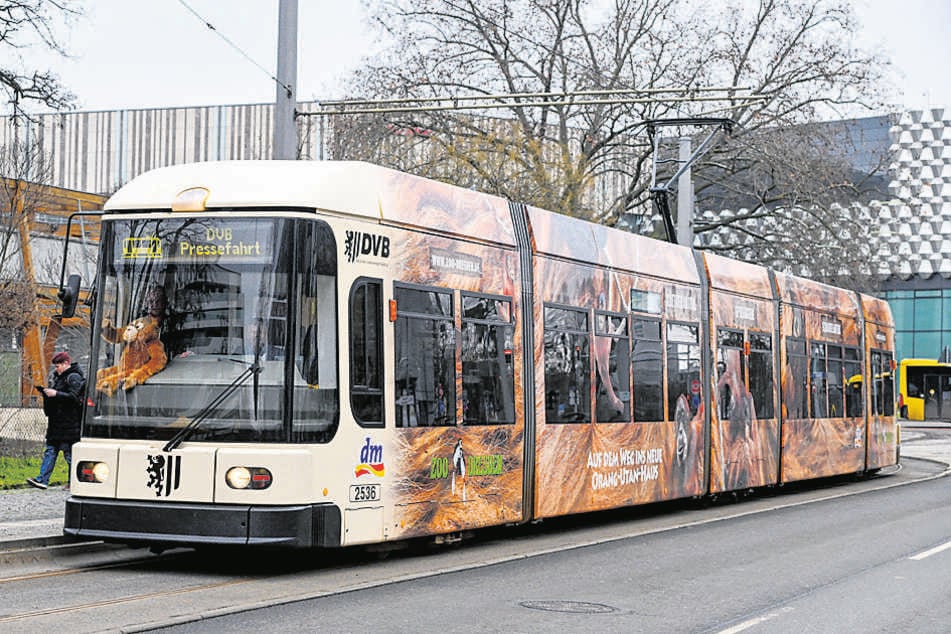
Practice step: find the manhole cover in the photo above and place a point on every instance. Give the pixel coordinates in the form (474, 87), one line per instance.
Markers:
(574, 607)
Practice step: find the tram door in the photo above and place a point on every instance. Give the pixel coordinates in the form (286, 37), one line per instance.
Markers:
(937, 395)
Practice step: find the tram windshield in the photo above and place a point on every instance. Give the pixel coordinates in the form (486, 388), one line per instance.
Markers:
(226, 325)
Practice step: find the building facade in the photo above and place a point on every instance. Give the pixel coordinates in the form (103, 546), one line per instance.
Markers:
(100, 151)
(914, 230)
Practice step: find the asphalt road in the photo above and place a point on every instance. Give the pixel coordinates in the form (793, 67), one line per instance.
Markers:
(875, 562)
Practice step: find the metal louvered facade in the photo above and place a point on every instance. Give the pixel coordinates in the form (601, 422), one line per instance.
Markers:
(100, 151)
(918, 227)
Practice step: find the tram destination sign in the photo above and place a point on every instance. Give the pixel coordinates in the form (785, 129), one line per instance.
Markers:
(234, 243)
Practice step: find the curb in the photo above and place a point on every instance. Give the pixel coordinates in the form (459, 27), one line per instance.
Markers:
(38, 542)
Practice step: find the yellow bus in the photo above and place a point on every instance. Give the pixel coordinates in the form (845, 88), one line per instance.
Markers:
(924, 389)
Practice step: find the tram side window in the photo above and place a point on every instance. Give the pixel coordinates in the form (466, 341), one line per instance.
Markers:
(761, 374)
(883, 385)
(731, 372)
(647, 365)
(425, 358)
(683, 366)
(836, 385)
(488, 385)
(818, 380)
(612, 366)
(877, 398)
(854, 393)
(796, 380)
(567, 366)
(888, 385)
(366, 352)
(316, 399)
(751, 372)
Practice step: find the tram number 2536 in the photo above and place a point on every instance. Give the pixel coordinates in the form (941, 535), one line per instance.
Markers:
(364, 492)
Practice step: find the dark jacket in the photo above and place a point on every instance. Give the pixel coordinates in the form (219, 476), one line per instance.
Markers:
(64, 410)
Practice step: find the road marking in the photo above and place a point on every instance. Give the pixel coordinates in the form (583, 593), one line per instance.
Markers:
(745, 625)
(932, 551)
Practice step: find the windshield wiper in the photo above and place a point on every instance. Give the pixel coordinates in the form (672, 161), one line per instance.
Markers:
(186, 432)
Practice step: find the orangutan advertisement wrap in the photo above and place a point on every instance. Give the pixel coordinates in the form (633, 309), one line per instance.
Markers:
(446, 476)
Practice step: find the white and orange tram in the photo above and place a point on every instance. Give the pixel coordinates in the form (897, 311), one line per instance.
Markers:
(345, 354)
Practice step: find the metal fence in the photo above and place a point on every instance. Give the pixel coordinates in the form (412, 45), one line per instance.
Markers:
(20, 427)
(9, 377)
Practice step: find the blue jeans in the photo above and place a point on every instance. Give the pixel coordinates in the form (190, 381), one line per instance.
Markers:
(49, 461)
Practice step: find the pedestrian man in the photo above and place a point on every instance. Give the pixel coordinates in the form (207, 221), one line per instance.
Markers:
(62, 403)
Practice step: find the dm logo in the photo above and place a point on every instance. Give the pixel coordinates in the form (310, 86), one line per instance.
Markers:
(164, 474)
(371, 460)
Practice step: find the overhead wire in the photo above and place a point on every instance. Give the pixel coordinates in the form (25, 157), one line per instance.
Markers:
(235, 46)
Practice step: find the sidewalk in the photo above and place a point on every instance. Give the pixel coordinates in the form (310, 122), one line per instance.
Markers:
(937, 450)
(32, 514)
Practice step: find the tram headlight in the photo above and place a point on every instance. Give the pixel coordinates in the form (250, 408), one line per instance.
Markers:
(238, 477)
(248, 478)
(92, 471)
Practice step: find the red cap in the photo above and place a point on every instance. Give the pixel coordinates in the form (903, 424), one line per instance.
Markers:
(61, 357)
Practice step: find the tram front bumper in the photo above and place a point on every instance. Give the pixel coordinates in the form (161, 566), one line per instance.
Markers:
(185, 524)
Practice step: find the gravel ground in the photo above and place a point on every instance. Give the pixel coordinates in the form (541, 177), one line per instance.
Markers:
(27, 513)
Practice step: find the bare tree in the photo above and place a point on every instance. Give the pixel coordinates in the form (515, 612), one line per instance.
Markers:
(582, 150)
(796, 201)
(27, 169)
(24, 25)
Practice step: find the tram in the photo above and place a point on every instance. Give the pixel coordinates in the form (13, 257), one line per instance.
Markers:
(345, 354)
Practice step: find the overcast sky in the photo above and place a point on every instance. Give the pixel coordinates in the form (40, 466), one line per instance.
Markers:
(156, 53)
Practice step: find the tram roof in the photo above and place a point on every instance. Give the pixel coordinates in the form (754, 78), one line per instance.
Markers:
(738, 276)
(391, 197)
(807, 293)
(876, 310)
(575, 239)
(349, 187)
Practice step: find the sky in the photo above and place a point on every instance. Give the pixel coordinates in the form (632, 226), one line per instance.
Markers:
(157, 53)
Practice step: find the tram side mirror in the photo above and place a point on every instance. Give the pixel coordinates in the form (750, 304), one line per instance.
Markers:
(90, 300)
(69, 295)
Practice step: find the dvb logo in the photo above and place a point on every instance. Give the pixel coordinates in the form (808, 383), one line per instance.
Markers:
(358, 243)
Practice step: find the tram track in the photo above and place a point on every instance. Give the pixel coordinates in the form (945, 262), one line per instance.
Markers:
(64, 610)
(54, 559)
(59, 564)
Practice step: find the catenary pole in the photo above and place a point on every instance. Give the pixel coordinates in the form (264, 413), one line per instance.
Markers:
(285, 128)
(685, 196)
